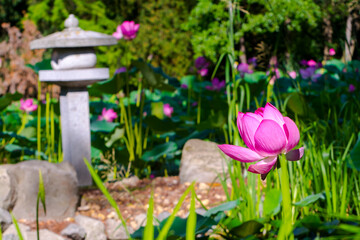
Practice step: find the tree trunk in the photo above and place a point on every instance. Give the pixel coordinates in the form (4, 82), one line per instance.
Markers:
(243, 50)
(348, 41)
(328, 32)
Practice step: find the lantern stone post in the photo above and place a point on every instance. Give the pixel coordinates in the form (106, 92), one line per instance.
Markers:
(73, 61)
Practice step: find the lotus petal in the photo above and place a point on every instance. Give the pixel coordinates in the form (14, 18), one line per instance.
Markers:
(264, 166)
(249, 123)
(271, 112)
(292, 133)
(269, 138)
(240, 153)
(295, 154)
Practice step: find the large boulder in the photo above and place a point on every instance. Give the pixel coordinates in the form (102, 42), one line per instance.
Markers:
(19, 186)
(201, 161)
(5, 219)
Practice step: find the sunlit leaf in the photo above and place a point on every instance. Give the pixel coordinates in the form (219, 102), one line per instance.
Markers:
(272, 202)
(310, 199)
(158, 151)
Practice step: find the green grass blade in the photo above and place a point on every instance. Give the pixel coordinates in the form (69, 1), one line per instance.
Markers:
(149, 228)
(41, 193)
(0, 233)
(40, 197)
(191, 221)
(164, 231)
(17, 227)
(102, 188)
(344, 192)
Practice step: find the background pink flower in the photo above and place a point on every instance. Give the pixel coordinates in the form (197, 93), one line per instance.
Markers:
(217, 85)
(118, 34)
(203, 72)
(108, 115)
(311, 63)
(292, 74)
(28, 105)
(129, 29)
(352, 88)
(202, 65)
(168, 110)
(332, 52)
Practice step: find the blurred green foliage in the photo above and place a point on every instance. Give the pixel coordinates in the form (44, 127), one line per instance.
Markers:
(160, 38)
(208, 24)
(173, 33)
(11, 11)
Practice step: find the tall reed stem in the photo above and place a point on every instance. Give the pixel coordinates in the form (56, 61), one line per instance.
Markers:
(285, 231)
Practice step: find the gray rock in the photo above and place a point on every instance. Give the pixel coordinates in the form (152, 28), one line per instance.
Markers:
(74, 232)
(130, 182)
(95, 229)
(12, 230)
(10, 237)
(140, 219)
(7, 189)
(115, 230)
(19, 185)
(44, 234)
(201, 161)
(163, 215)
(5, 219)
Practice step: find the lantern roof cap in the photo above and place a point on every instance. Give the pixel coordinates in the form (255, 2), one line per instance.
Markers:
(73, 37)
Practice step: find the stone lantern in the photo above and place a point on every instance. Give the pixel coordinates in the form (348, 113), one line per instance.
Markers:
(73, 61)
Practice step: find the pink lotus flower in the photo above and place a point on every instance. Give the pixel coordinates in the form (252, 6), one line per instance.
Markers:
(292, 74)
(203, 72)
(120, 70)
(311, 63)
(332, 52)
(244, 68)
(184, 86)
(307, 72)
(267, 134)
(202, 65)
(216, 85)
(129, 29)
(108, 115)
(28, 105)
(201, 62)
(273, 61)
(118, 34)
(352, 88)
(303, 62)
(275, 75)
(253, 61)
(168, 110)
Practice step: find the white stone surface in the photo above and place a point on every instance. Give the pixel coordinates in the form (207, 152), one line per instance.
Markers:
(10, 237)
(74, 232)
(44, 234)
(60, 189)
(73, 36)
(95, 229)
(73, 58)
(75, 127)
(163, 215)
(201, 161)
(115, 230)
(74, 77)
(12, 230)
(7, 193)
(5, 219)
